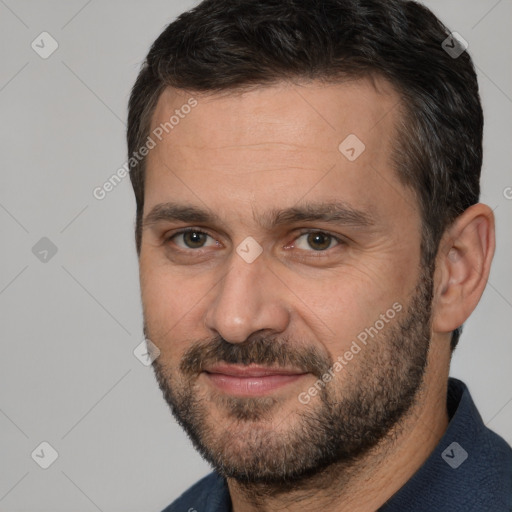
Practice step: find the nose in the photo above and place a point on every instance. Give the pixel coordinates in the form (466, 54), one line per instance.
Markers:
(248, 299)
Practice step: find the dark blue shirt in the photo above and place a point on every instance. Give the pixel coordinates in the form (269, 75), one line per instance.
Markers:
(470, 470)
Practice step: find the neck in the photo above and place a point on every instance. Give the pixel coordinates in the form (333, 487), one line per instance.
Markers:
(366, 484)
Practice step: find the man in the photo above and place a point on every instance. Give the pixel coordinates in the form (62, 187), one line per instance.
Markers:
(310, 243)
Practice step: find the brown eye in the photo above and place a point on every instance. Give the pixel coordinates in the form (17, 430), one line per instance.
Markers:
(190, 239)
(194, 239)
(316, 240)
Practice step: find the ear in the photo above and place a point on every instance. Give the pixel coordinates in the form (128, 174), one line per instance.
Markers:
(462, 267)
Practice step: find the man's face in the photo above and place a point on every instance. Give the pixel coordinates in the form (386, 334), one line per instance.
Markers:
(302, 345)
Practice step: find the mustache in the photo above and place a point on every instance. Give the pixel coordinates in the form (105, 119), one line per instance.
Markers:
(262, 351)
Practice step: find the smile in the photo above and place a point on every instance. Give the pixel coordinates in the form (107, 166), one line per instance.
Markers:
(251, 380)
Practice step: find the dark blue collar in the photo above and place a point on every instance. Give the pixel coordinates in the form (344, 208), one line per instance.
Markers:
(470, 470)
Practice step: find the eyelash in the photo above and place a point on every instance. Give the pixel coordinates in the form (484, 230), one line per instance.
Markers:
(317, 254)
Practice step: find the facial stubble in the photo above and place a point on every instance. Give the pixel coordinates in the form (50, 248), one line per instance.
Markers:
(352, 414)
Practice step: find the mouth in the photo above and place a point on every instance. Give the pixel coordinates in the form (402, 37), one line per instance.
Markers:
(251, 380)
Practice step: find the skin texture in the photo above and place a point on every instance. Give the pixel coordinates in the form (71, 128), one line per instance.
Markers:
(240, 156)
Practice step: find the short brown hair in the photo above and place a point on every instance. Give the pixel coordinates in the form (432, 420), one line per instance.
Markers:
(223, 45)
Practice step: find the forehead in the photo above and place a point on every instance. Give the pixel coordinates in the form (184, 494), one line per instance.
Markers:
(275, 144)
(305, 113)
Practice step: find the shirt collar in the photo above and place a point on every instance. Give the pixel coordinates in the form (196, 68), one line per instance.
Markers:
(446, 480)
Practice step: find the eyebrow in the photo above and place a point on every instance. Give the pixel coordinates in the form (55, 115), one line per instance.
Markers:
(330, 212)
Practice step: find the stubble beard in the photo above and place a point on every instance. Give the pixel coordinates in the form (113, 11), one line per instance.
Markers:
(256, 445)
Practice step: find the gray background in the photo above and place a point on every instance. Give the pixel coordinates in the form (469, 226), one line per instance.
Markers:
(68, 375)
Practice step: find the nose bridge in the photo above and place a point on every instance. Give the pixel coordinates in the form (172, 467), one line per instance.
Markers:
(246, 300)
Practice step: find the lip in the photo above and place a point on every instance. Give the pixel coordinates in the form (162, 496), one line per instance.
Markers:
(251, 380)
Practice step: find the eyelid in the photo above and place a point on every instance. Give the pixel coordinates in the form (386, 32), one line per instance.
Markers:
(304, 231)
(168, 238)
(186, 230)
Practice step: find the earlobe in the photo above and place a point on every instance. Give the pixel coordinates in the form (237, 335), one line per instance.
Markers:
(463, 266)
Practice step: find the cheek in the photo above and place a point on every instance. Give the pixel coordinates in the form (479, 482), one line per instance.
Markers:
(171, 306)
(338, 309)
